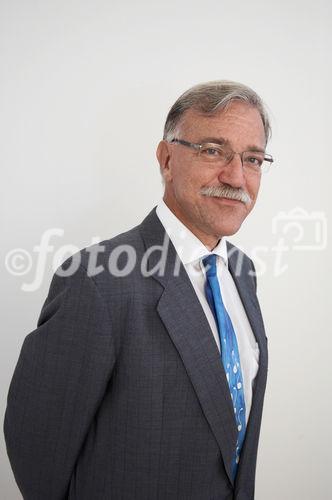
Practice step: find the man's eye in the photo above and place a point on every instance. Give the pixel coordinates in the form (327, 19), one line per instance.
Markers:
(254, 160)
(211, 152)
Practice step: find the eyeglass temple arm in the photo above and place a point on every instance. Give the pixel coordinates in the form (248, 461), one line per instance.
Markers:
(186, 143)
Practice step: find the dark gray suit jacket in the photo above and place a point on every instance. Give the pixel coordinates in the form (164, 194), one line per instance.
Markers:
(120, 392)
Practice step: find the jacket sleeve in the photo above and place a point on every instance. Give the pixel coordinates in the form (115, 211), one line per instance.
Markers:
(58, 384)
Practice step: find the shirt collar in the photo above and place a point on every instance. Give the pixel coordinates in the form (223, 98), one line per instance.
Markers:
(187, 245)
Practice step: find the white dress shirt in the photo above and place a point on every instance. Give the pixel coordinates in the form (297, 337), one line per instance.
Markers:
(191, 251)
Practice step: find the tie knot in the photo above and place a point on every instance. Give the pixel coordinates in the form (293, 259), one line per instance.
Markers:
(209, 263)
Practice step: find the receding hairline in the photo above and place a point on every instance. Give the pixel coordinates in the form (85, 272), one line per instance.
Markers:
(196, 113)
(210, 98)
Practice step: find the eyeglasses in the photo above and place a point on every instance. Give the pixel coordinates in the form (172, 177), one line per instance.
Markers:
(216, 155)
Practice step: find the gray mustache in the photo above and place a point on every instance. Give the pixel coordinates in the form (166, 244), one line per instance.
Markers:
(226, 192)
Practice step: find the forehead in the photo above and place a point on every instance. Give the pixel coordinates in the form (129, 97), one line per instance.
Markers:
(238, 123)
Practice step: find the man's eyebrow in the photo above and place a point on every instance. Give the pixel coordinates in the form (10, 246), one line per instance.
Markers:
(215, 140)
(225, 142)
(256, 149)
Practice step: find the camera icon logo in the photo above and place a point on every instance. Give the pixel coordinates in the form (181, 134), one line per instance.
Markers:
(302, 230)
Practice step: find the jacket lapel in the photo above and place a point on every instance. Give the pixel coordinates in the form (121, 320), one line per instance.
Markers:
(247, 292)
(185, 321)
(240, 272)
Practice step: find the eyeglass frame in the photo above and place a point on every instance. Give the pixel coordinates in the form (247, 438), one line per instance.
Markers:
(267, 157)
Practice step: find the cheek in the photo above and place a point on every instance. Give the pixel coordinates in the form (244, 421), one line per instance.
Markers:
(178, 170)
(253, 187)
(184, 179)
(187, 179)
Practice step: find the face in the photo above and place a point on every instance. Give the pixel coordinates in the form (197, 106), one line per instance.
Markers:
(185, 174)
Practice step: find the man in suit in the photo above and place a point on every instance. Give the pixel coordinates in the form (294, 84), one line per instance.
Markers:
(146, 374)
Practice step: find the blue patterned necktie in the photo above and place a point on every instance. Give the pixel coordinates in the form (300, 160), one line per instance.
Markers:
(229, 351)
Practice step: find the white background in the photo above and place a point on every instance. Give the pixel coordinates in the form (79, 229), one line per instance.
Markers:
(85, 89)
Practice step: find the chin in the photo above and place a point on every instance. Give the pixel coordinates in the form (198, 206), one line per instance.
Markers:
(228, 221)
(229, 229)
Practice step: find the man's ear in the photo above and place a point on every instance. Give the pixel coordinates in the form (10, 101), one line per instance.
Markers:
(163, 156)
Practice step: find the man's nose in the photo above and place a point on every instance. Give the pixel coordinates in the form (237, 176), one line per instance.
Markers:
(232, 172)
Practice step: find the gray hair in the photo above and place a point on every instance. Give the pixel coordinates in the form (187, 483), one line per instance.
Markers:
(210, 97)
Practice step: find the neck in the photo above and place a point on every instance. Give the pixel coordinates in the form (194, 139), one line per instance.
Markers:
(208, 240)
